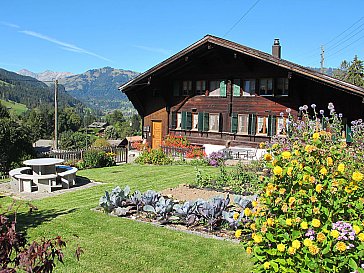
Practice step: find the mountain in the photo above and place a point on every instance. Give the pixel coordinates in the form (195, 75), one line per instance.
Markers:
(98, 88)
(30, 91)
(46, 75)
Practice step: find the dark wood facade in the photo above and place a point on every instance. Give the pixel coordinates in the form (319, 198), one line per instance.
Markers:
(217, 91)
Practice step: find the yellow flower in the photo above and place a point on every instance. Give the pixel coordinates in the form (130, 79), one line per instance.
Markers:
(321, 237)
(323, 171)
(312, 179)
(291, 250)
(315, 136)
(298, 219)
(329, 161)
(297, 153)
(316, 210)
(341, 246)
(289, 171)
(238, 233)
(304, 225)
(356, 229)
(313, 249)
(313, 199)
(267, 157)
(275, 146)
(334, 233)
(254, 203)
(270, 222)
(266, 265)
(264, 229)
(278, 200)
(357, 176)
(291, 199)
(282, 191)
(253, 226)
(247, 212)
(261, 145)
(319, 188)
(281, 247)
(284, 207)
(341, 167)
(257, 238)
(361, 237)
(307, 242)
(277, 171)
(294, 161)
(289, 222)
(316, 223)
(286, 155)
(249, 250)
(309, 148)
(296, 244)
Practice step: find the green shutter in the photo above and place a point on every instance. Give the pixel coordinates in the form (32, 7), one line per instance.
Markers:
(348, 133)
(184, 120)
(236, 88)
(272, 130)
(252, 124)
(174, 120)
(222, 89)
(200, 122)
(221, 123)
(205, 122)
(274, 125)
(176, 89)
(188, 120)
(234, 123)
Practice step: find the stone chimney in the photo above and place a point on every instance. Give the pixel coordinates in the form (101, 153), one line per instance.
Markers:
(276, 48)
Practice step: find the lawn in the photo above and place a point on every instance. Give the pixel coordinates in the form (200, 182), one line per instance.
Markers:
(14, 107)
(121, 245)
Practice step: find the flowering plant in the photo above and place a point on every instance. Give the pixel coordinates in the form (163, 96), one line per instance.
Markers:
(309, 213)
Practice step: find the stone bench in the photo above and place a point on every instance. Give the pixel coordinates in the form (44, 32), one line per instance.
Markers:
(68, 177)
(46, 182)
(18, 184)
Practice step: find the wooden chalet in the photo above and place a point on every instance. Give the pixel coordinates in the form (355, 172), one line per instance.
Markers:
(216, 91)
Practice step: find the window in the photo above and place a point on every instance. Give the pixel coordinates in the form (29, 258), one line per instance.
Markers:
(266, 87)
(262, 125)
(249, 88)
(236, 87)
(214, 122)
(281, 126)
(186, 88)
(194, 121)
(214, 88)
(282, 87)
(200, 87)
(243, 121)
(179, 120)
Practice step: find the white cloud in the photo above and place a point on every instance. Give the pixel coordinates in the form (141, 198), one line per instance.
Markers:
(155, 49)
(64, 45)
(9, 25)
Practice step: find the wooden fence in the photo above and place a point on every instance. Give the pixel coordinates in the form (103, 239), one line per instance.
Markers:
(120, 154)
(4, 172)
(177, 151)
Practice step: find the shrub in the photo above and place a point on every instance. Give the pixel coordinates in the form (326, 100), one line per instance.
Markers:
(216, 159)
(309, 213)
(100, 143)
(153, 156)
(97, 159)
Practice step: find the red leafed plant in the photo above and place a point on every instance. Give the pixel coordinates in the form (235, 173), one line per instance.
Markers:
(181, 142)
(37, 257)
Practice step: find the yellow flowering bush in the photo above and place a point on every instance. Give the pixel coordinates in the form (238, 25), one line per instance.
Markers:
(309, 215)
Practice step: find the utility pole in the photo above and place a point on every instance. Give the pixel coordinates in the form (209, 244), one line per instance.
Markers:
(322, 59)
(55, 115)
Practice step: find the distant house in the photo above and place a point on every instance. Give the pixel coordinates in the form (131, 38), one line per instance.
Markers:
(115, 143)
(217, 91)
(128, 141)
(43, 145)
(97, 124)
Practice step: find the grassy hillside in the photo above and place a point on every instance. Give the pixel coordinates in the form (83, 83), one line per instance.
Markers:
(14, 107)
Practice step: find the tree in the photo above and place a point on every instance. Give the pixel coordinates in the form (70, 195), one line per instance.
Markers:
(111, 132)
(115, 117)
(352, 72)
(75, 140)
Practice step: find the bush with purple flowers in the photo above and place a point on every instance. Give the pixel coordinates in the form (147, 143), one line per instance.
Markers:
(216, 159)
(309, 215)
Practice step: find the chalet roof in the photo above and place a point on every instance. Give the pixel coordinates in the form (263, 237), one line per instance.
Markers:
(209, 39)
(98, 124)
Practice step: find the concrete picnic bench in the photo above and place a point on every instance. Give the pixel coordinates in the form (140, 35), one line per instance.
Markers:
(43, 175)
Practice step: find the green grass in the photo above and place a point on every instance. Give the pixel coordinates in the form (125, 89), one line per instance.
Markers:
(114, 244)
(14, 107)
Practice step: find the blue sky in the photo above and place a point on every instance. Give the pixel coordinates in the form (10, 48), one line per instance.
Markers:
(79, 35)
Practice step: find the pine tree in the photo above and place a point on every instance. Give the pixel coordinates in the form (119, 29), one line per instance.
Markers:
(355, 73)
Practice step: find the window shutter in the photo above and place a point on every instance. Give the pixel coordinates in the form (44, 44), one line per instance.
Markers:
(272, 128)
(234, 123)
(184, 120)
(205, 122)
(348, 133)
(221, 123)
(174, 120)
(222, 89)
(252, 124)
(188, 120)
(176, 89)
(200, 122)
(236, 88)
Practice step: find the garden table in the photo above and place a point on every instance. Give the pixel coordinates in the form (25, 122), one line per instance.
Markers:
(43, 166)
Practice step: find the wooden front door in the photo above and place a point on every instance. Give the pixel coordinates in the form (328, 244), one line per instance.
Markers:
(156, 134)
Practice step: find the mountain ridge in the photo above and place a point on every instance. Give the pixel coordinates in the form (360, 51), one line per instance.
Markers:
(46, 75)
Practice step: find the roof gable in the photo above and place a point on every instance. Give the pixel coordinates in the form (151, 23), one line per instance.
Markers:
(144, 78)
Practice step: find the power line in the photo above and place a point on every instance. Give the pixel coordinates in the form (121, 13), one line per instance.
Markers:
(241, 18)
(344, 31)
(345, 47)
(338, 43)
